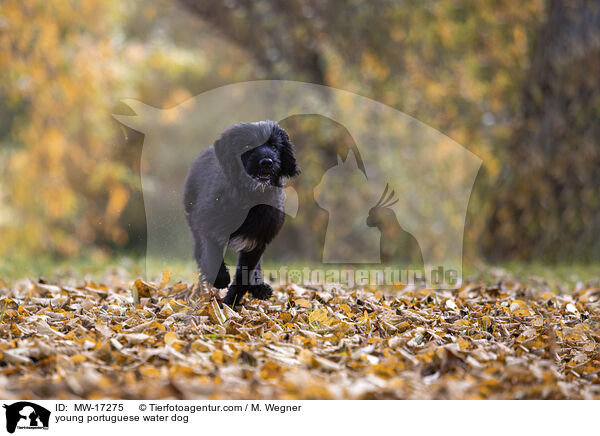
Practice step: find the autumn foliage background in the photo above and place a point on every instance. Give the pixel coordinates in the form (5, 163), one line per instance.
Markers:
(516, 82)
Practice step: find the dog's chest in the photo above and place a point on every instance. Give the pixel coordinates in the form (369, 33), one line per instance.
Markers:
(258, 229)
(240, 243)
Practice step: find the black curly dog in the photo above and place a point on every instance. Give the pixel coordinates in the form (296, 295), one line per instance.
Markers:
(234, 197)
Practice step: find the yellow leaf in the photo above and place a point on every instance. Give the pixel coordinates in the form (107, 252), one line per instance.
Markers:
(78, 358)
(215, 312)
(177, 306)
(217, 357)
(141, 289)
(319, 316)
(522, 312)
(116, 202)
(518, 304)
(463, 343)
(170, 338)
(485, 322)
(155, 325)
(201, 346)
(305, 356)
(166, 276)
(403, 326)
(149, 371)
(579, 359)
(302, 302)
(574, 336)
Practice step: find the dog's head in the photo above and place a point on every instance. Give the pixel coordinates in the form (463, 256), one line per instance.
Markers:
(257, 154)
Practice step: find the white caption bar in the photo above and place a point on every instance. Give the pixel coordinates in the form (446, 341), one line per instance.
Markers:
(298, 417)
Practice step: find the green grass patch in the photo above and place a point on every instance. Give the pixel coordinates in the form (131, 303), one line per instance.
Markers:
(96, 266)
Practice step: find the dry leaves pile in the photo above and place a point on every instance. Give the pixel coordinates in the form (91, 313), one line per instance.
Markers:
(125, 339)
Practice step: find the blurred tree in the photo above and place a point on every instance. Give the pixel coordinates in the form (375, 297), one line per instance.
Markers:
(456, 65)
(63, 178)
(468, 68)
(548, 204)
(279, 35)
(69, 172)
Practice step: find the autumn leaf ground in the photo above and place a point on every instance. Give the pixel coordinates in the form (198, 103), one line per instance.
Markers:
(115, 336)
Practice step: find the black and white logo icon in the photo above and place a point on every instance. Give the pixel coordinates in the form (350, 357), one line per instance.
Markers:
(26, 415)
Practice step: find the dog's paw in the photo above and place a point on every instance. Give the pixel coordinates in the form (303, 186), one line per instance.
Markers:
(234, 296)
(261, 291)
(222, 280)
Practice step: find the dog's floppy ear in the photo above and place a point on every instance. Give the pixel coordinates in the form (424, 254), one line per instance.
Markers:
(222, 152)
(226, 150)
(289, 168)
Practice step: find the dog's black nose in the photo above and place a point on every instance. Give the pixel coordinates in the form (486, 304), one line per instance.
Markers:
(266, 163)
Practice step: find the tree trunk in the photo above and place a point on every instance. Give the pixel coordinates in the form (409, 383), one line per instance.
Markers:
(548, 205)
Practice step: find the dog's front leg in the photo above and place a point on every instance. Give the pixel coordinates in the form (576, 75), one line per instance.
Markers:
(248, 277)
(209, 256)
